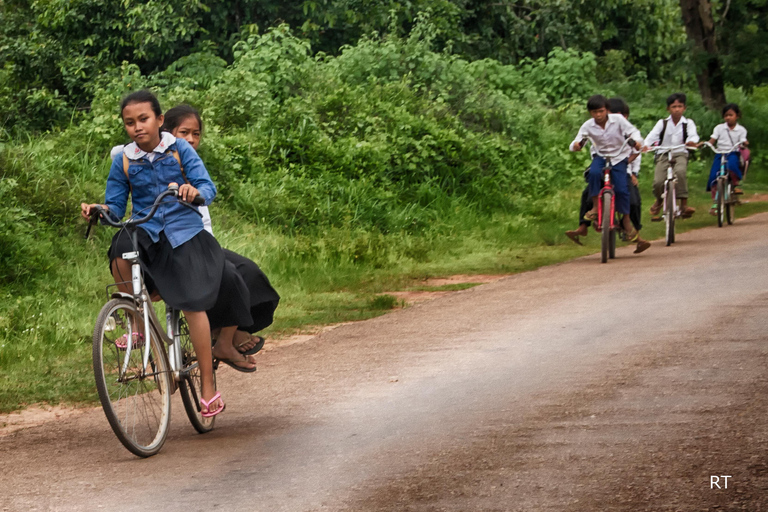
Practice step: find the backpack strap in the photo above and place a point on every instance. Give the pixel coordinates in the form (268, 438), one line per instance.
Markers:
(127, 164)
(663, 131)
(175, 153)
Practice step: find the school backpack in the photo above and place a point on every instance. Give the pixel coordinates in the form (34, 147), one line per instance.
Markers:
(664, 130)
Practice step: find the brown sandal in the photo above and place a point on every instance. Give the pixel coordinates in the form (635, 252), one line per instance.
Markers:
(574, 236)
(641, 246)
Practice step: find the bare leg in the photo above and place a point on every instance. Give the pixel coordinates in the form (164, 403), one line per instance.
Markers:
(627, 224)
(200, 334)
(121, 270)
(595, 205)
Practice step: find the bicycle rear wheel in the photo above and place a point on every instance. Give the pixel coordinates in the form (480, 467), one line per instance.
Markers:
(136, 402)
(606, 228)
(720, 202)
(669, 212)
(190, 384)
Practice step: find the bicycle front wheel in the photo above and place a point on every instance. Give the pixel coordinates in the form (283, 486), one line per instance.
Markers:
(190, 384)
(606, 228)
(612, 245)
(669, 212)
(136, 400)
(730, 204)
(720, 202)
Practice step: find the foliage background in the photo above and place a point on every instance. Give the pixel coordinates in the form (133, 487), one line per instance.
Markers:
(370, 144)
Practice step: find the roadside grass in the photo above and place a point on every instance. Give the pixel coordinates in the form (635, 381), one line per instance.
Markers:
(443, 288)
(337, 276)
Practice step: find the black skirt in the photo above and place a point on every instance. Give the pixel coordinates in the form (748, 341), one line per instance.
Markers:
(194, 276)
(263, 297)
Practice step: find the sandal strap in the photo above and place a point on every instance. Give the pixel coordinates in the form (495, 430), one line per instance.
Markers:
(208, 403)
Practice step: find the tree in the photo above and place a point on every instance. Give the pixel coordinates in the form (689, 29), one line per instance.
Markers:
(701, 30)
(743, 41)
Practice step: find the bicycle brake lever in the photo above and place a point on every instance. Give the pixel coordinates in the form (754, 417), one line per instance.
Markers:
(92, 222)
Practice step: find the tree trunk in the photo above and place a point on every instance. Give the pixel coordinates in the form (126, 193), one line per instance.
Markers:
(700, 27)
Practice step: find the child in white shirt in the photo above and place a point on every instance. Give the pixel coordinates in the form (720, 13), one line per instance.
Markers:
(673, 131)
(609, 133)
(728, 136)
(617, 106)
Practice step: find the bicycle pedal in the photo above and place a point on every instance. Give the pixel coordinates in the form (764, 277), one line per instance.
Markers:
(657, 219)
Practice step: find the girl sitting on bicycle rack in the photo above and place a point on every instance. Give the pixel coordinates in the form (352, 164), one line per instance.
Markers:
(728, 136)
(609, 132)
(184, 122)
(182, 261)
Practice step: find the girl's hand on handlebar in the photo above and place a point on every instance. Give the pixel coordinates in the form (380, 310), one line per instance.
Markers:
(188, 193)
(86, 210)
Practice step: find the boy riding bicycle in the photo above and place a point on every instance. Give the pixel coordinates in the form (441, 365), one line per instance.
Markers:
(609, 132)
(673, 131)
(617, 106)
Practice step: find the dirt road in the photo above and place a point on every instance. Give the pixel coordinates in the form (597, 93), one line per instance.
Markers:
(579, 387)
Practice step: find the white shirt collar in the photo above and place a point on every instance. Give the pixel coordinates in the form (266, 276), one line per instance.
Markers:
(607, 122)
(682, 120)
(134, 152)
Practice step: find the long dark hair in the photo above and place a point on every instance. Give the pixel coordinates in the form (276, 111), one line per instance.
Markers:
(176, 115)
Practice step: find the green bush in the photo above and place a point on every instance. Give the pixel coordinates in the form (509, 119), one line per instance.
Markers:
(24, 244)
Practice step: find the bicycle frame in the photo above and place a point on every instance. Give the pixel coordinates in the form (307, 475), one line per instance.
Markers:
(143, 302)
(151, 324)
(671, 177)
(607, 185)
(723, 173)
(607, 189)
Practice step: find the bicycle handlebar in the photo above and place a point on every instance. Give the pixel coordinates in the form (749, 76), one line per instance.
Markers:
(628, 141)
(670, 148)
(173, 190)
(721, 152)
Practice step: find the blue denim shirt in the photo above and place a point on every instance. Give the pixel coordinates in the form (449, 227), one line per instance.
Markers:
(148, 180)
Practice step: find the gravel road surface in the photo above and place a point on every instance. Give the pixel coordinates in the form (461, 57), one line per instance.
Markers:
(581, 386)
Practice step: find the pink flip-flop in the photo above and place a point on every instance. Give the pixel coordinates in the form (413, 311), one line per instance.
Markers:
(122, 341)
(205, 406)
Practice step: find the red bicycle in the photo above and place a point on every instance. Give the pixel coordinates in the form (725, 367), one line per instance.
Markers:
(607, 198)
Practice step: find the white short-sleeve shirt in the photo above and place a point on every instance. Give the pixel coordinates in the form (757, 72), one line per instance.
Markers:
(609, 139)
(727, 139)
(673, 135)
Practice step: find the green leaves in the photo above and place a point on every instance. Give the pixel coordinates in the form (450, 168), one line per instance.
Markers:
(22, 254)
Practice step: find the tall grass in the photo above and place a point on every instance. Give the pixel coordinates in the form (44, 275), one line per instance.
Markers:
(342, 177)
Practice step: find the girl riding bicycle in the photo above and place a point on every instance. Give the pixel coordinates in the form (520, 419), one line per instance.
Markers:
(728, 137)
(182, 261)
